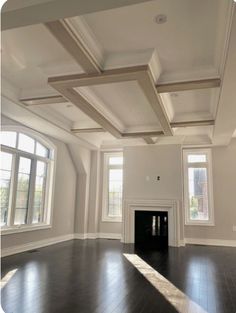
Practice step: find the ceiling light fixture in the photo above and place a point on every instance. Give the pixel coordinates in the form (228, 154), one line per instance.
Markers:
(161, 18)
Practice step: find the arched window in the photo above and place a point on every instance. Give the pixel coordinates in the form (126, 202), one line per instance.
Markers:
(26, 178)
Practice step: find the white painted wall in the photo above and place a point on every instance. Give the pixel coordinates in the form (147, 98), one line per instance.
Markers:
(78, 190)
(143, 164)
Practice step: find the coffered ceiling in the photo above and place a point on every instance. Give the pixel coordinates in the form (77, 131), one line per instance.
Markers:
(118, 77)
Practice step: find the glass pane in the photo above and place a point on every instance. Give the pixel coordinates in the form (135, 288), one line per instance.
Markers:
(41, 150)
(22, 192)
(20, 216)
(5, 184)
(24, 165)
(115, 160)
(26, 143)
(39, 192)
(6, 161)
(115, 192)
(198, 194)
(41, 168)
(8, 138)
(197, 158)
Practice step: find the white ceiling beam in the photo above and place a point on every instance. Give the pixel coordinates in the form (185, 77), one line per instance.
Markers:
(140, 74)
(22, 114)
(142, 134)
(147, 84)
(63, 32)
(189, 85)
(43, 100)
(79, 101)
(87, 130)
(17, 13)
(106, 77)
(192, 123)
(149, 140)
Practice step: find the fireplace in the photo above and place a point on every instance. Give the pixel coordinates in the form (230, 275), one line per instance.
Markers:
(151, 229)
(171, 207)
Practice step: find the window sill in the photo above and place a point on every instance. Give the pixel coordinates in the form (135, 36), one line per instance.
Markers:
(111, 220)
(21, 229)
(198, 223)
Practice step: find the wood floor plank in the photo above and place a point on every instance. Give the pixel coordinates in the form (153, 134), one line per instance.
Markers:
(93, 276)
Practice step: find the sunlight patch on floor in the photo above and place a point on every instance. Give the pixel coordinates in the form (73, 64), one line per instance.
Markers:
(7, 277)
(181, 302)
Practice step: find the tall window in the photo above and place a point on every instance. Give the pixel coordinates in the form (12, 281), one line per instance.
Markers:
(112, 187)
(198, 189)
(26, 170)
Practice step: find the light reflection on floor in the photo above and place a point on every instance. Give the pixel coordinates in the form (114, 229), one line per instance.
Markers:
(7, 277)
(181, 302)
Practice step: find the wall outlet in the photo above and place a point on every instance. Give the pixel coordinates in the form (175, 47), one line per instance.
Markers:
(234, 227)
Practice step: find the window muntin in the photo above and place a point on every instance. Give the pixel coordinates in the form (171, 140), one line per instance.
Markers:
(5, 184)
(198, 187)
(113, 187)
(27, 183)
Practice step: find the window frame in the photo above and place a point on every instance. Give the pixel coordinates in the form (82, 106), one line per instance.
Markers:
(106, 168)
(46, 223)
(208, 166)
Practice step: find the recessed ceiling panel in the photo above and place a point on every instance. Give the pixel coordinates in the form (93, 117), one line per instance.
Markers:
(73, 114)
(190, 39)
(127, 102)
(31, 54)
(195, 103)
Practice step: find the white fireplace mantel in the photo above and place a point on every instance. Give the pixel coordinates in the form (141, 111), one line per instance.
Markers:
(170, 206)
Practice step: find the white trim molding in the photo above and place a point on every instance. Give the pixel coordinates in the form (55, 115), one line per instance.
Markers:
(207, 164)
(35, 245)
(210, 242)
(98, 236)
(170, 206)
(106, 217)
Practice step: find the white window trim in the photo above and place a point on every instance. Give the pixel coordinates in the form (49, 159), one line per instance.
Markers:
(49, 197)
(105, 216)
(208, 152)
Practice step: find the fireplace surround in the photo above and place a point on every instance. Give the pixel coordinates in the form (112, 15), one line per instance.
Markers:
(170, 206)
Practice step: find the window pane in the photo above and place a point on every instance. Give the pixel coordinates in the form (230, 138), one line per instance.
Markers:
(8, 138)
(197, 158)
(115, 192)
(198, 194)
(41, 150)
(5, 184)
(22, 192)
(39, 193)
(115, 160)
(26, 143)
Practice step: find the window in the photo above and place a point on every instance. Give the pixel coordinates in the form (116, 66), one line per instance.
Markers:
(198, 188)
(26, 175)
(112, 187)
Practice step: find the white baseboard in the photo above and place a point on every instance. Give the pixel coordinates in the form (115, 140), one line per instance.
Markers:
(109, 236)
(35, 245)
(210, 242)
(98, 235)
(181, 243)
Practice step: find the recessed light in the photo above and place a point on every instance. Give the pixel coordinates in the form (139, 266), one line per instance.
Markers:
(160, 19)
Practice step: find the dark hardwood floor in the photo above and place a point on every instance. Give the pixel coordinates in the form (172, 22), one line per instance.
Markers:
(93, 276)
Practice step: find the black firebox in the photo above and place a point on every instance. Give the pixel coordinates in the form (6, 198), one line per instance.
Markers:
(151, 229)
